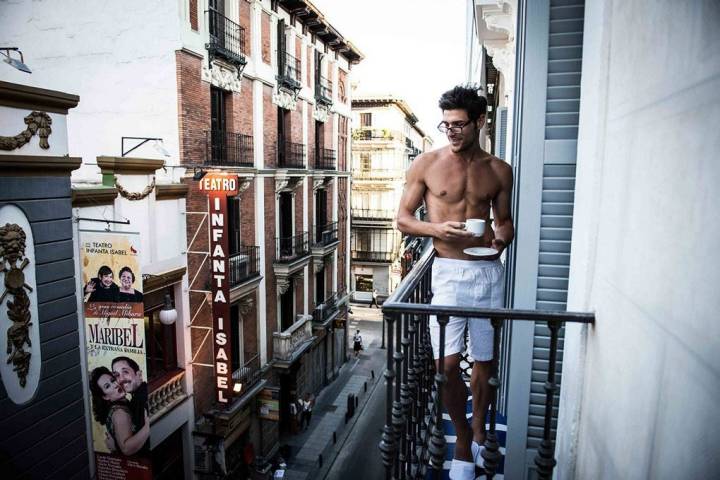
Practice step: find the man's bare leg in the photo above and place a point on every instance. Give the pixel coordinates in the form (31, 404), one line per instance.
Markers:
(455, 400)
(480, 398)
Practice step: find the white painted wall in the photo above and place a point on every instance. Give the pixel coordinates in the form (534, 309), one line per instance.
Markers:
(640, 388)
(125, 75)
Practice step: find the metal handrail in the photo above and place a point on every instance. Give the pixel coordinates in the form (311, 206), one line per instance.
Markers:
(411, 374)
(326, 233)
(227, 38)
(325, 158)
(323, 89)
(291, 154)
(228, 148)
(289, 69)
(244, 264)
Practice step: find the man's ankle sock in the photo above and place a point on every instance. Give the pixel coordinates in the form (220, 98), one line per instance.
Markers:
(462, 470)
(477, 449)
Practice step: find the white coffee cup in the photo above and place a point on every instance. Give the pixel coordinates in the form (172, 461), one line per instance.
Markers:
(476, 226)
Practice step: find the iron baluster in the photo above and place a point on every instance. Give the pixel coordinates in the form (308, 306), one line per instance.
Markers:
(397, 420)
(545, 458)
(437, 440)
(491, 455)
(387, 443)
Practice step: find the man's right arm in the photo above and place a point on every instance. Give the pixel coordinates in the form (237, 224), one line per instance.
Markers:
(411, 199)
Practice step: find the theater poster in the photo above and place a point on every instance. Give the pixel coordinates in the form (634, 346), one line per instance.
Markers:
(115, 347)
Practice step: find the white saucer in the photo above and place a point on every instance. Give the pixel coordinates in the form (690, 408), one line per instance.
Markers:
(480, 251)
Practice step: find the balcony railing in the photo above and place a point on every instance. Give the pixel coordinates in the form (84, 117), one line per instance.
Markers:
(325, 159)
(413, 436)
(370, 133)
(374, 245)
(325, 234)
(227, 38)
(323, 90)
(372, 214)
(287, 342)
(164, 396)
(288, 249)
(325, 310)
(244, 265)
(378, 174)
(228, 149)
(247, 375)
(289, 71)
(291, 155)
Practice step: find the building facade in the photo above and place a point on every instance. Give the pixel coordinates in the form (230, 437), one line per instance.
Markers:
(386, 138)
(253, 89)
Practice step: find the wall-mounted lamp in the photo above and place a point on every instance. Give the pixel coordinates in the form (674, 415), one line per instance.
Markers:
(168, 314)
(237, 387)
(14, 62)
(157, 145)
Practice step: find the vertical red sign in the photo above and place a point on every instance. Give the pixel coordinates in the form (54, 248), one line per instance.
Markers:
(219, 187)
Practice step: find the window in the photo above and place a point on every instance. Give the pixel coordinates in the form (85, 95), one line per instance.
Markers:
(233, 213)
(365, 162)
(366, 119)
(364, 283)
(320, 287)
(161, 355)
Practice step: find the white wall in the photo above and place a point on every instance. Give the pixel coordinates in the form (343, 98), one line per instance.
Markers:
(125, 75)
(641, 388)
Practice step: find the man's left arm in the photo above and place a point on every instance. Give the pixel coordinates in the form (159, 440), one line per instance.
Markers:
(504, 229)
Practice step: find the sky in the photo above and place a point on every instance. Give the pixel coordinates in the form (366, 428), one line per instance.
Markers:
(414, 50)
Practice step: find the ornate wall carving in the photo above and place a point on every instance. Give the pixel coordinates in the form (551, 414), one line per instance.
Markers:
(37, 123)
(221, 77)
(284, 99)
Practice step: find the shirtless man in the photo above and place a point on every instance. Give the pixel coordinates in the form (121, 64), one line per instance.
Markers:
(458, 182)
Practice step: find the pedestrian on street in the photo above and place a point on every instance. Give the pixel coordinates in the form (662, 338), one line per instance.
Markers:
(307, 405)
(293, 417)
(374, 298)
(357, 343)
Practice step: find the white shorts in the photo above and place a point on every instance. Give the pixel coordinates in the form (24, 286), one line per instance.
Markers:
(466, 283)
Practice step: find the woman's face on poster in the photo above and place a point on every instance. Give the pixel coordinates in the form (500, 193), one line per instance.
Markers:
(112, 390)
(107, 280)
(126, 280)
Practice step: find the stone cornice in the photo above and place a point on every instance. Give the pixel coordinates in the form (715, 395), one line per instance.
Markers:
(129, 165)
(94, 196)
(33, 98)
(37, 165)
(172, 191)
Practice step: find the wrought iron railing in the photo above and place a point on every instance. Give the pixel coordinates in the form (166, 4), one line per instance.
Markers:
(244, 265)
(374, 244)
(325, 234)
(290, 154)
(372, 214)
(413, 436)
(289, 70)
(326, 309)
(323, 90)
(325, 159)
(165, 396)
(288, 249)
(378, 174)
(227, 38)
(247, 375)
(228, 148)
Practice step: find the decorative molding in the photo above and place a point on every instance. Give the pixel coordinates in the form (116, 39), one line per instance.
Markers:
(321, 182)
(221, 76)
(244, 184)
(33, 98)
(171, 191)
(129, 165)
(287, 184)
(38, 165)
(245, 304)
(321, 113)
(152, 283)
(284, 99)
(283, 283)
(319, 263)
(135, 196)
(95, 196)
(37, 122)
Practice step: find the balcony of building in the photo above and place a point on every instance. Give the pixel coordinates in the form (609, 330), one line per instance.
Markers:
(292, 342)
(247, 377)
(244, 271)
(325, 239)
(288, 71)
(226, 39)
(228, 149)
(377, 134)
(366, 174)
(325, 159)
(375, 245)
(369, 217)
(323, 90)
(415, 386)
(290, 154)
(291, 256)
(326, 311)
(165, 393)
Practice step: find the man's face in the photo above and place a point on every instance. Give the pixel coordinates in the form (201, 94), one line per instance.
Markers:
(126, 376)
(106, 280)
(461, 138)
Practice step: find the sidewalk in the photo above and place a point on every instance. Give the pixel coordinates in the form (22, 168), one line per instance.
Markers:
(329, 416)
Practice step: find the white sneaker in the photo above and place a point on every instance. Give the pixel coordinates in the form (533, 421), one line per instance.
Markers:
(477, 453)
(462, 470)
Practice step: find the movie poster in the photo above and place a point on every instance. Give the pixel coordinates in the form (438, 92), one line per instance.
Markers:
(115, 344)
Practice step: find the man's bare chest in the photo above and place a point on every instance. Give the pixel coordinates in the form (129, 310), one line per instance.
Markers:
(473, 186)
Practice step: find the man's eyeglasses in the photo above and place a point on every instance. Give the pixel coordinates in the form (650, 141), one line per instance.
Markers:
(445, 127)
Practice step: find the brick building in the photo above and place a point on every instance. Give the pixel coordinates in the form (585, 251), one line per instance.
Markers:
(265, 96)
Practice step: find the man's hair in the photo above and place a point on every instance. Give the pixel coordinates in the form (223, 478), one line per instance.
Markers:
(131, 363)
(464, 97)
(104, 270)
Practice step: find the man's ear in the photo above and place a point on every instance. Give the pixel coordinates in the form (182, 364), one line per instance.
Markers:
(480, 121)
